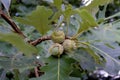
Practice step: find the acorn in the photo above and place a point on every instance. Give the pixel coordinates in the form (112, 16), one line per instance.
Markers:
(69, 45)
(58, 36)
(56, 49)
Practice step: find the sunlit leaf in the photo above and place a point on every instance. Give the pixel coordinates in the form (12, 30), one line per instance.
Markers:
(93, 6)
(39, 19)
(68, 12)
(96, 3)
(87, 21)
(56, 16)
(18, 42)
(58, 3)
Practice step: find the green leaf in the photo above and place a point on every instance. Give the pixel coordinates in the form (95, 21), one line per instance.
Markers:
(39, 19)
(112, 65)
(17, 62)
(18, 42)
(20, 76)
(68, 12)
(96, 3)
(74, 78)
(56, 69)
(94, 55)
(58, 3)
(87, 21)
(16, 74)
(93, 7)
(7, 48)
(87, 58)
(108, 32)
(110, 46)
(56, 16)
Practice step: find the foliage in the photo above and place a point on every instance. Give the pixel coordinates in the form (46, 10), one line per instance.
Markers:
(38, 20)
(18, 42)
(28, 54)
(57, 69)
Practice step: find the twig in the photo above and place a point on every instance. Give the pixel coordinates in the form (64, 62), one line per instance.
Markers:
(10, 21)
(44, 38)
(39, 40)
(17, 30)
(36, 72)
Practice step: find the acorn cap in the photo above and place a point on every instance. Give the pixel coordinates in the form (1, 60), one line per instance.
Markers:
(56, 49)
(69, 45)
(58, 36)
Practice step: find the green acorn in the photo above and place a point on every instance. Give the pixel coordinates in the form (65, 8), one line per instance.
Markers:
(58, 36)
(56, 49)
(69, 45)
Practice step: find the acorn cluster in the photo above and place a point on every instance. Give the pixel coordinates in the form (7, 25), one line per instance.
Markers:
(61, 44)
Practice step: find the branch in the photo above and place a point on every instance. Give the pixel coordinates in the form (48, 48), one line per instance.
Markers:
(44, 38)
(10, 21)
(17, 30)
(39, 40)
(36, 72)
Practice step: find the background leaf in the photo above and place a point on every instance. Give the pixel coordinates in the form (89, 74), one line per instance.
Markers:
(38, 18)
(87, 59)
(18, 42)
(56, 69)
(112, 65)
(109, 32)
(17, 62)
